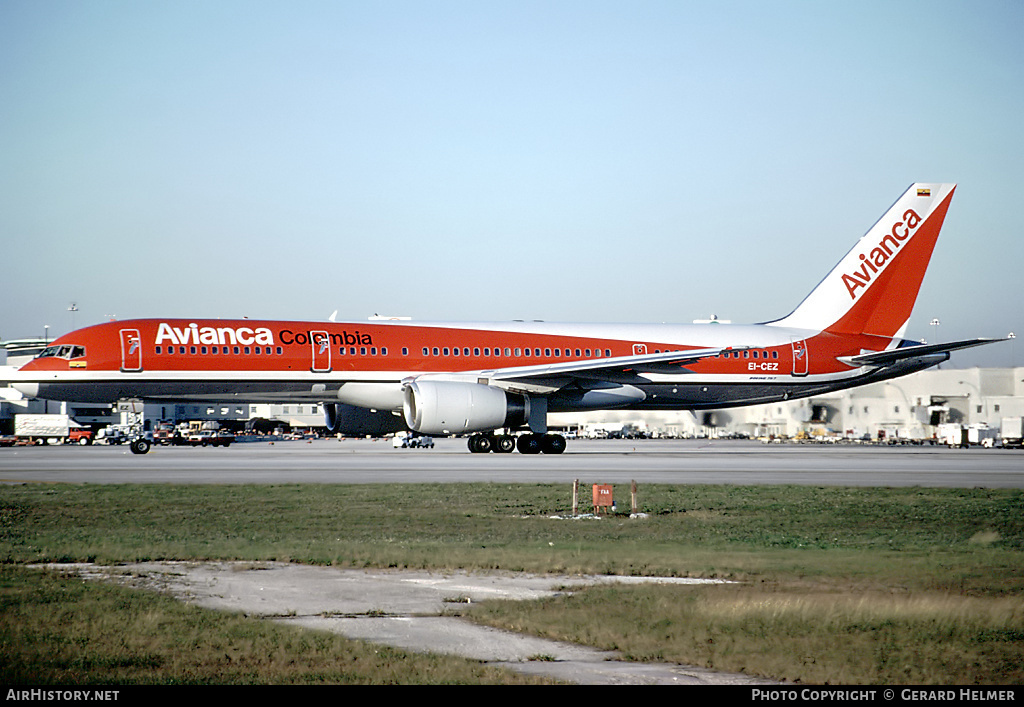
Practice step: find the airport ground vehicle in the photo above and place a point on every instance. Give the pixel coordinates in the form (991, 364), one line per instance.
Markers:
(1011, 431)
(114, 434)
(209, 438)
(50, 429)
(411, 441)
(165, 433)
(956, 435)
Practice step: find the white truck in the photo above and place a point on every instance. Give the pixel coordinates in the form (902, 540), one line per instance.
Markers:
(951, 434)
(50, 429)
(1012, 432)
(956, 435)
(982, 436)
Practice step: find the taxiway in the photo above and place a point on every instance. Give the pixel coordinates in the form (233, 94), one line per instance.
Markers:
(360, 461)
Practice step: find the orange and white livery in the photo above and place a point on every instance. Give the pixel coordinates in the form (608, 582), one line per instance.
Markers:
(477, 378)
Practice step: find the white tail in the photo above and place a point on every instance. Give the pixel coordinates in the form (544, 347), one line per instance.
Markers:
(873, 288)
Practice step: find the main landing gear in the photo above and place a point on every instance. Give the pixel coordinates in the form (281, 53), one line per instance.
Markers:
(529, 443)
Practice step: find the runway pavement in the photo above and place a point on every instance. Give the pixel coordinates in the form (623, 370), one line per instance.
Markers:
(355, 461)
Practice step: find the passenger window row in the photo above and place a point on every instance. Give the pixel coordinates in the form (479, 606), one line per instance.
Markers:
(219, 350)
(366, 350)
(485, 352)
(750, 354)
(512, 352)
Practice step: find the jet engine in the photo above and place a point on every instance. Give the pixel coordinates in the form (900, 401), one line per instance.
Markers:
(446, 407)
(353, 421)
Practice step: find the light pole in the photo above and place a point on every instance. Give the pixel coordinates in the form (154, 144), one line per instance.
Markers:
(908, 416)
(935, 335)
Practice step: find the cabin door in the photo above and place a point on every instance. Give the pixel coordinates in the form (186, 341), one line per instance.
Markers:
(800, 356)
(320, 342)
(131, 351)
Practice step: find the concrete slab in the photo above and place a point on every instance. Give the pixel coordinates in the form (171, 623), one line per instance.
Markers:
(409, 610)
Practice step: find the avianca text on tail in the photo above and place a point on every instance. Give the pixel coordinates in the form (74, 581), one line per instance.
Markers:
(497, 381)
(875, 261)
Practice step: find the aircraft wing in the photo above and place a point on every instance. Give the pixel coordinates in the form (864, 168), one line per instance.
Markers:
(885, 358)
(620, 369)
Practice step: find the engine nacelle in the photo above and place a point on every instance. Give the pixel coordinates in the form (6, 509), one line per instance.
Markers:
(446, 407)
(353, 421)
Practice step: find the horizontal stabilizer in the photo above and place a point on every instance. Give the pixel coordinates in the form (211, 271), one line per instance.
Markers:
(884, 358)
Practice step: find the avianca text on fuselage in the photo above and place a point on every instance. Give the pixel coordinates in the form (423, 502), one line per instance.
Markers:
(195, 334)
(875, 261)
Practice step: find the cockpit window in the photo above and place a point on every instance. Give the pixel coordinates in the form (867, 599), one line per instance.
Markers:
(68, 351)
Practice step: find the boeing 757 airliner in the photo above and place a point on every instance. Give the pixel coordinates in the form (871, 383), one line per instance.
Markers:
(491, 379)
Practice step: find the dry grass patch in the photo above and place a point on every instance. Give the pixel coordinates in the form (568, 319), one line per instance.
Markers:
(799, 634)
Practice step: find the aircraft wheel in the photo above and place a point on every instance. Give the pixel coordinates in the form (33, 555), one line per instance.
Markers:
(552, 444)
(140, 446)
(481, 444)
(506, 444)
(528, 444)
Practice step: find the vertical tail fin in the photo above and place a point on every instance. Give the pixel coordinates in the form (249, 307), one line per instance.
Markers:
(873, 288)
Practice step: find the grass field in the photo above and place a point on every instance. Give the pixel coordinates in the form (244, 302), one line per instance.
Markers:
(835, 585)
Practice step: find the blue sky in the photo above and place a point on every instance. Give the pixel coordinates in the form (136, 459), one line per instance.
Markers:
(579, 161)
